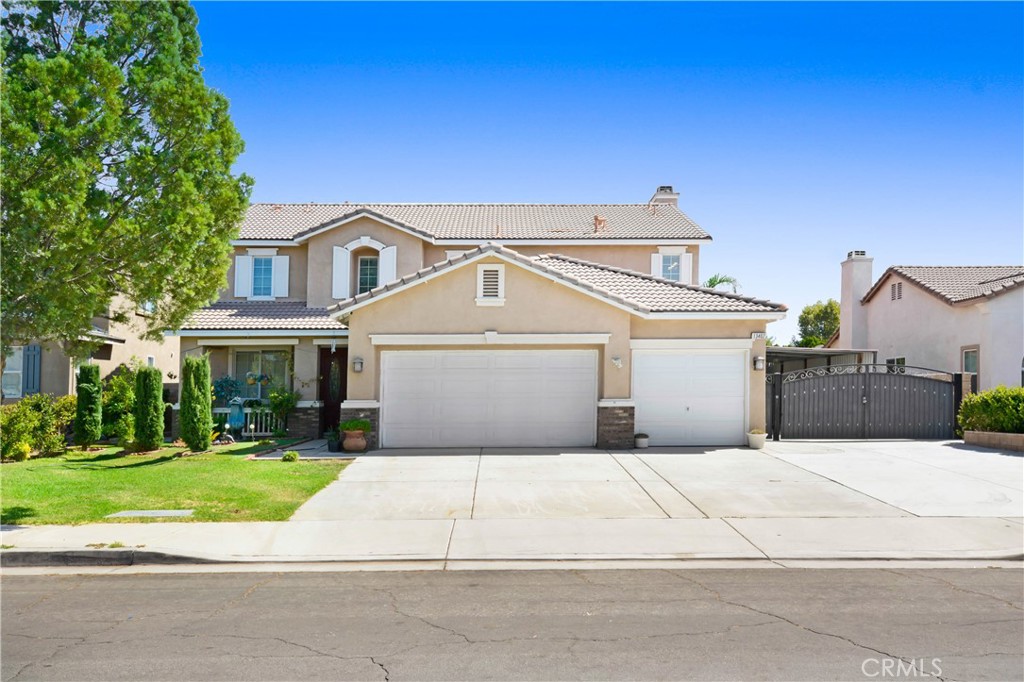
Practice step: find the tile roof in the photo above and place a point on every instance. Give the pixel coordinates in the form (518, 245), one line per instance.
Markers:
(261, 315)
(957, 283)
(482, 221)
(637, 291)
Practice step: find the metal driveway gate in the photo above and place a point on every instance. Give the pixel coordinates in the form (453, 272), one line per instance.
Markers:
(863, 401)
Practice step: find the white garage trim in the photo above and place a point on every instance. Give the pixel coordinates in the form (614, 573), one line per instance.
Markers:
(678, 404)
(488, 338)
(691, 344)
(485, 397)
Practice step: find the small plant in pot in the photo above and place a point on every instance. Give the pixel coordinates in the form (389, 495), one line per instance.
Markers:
(756, 438)
(333, 440)
(641, 440)
(354, 430)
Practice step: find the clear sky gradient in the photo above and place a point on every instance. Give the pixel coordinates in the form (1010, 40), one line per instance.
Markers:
(794, 132)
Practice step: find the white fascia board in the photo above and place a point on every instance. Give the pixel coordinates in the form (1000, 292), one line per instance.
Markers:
(488, 338)
(691, 344)
(713, 316)
(256, 333)
(263, 242)
(341, 341)
(575, 242)
(507, 259)
(357, 216)
(247, 342)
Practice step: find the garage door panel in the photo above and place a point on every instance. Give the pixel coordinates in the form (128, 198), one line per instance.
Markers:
(499, 398)
(689, 397)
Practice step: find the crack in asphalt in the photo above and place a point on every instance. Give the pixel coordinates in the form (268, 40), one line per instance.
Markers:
(718, 597)
(953, 586)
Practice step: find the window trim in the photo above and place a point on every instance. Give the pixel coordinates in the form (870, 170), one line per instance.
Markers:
(482, 300)
(964, 350)
(20, 373)
(359, 273)
(262, 297)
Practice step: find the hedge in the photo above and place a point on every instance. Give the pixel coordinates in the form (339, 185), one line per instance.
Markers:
(196, 407)
(149, 408)
(999, 409)
(39, 422)
(89, 413)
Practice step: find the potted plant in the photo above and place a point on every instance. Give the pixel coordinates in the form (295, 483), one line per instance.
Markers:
(641, 440)
(756, 438)
(333, 440)
(354, 438)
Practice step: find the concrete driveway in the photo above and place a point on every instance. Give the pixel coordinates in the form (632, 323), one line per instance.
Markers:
(870, 479)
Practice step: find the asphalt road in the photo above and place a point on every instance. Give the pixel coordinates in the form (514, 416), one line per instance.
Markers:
(784, 624)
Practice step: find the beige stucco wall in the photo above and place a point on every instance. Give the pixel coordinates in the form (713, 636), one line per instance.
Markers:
(446, 305)
(321, 254)
(631, 257)
(297, 272)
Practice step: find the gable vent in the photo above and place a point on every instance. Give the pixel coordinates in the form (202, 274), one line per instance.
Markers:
(490, 285)
(896, 291)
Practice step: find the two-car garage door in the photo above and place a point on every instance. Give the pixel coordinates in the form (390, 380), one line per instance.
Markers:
(488, 398)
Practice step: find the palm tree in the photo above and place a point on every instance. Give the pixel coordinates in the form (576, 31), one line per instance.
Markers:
(716, 280)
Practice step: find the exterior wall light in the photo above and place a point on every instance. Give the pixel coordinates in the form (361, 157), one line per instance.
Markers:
(617, 361)
(759, 363)
(357, 365)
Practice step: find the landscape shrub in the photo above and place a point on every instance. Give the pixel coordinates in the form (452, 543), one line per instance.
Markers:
(89, 412)
(39, 421)
(21, 452)
(149, 408)
(290, 456)
(999, 409)
(17, 425)
(355, 425)
(119, 403)
(196, 407)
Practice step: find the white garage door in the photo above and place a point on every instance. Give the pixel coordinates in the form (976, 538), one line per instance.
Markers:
(690, 397)
(488, 398)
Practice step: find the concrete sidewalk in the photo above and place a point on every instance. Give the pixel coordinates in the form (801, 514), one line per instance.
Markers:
(794, 501)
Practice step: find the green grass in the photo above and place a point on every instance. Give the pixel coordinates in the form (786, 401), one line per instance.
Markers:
(221, 485)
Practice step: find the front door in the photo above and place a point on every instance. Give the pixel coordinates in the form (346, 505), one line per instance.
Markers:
(333, 382)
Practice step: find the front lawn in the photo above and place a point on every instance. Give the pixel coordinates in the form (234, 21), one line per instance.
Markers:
(83, 487)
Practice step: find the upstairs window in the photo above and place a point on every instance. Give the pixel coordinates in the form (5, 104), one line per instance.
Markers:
(262, 276)
(673, 263)
(490, 285)
(670, 267)
(369, 269)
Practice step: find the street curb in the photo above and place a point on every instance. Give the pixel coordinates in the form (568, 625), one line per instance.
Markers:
(133, 557)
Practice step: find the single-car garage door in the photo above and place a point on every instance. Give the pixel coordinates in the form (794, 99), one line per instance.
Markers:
(691, 397)
(488, 398)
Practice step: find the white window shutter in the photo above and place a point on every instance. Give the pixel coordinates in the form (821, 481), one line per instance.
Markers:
(388, 268)
(656, 264)
(340, 272)
(243, 276)
(280, 272)
(686, 268)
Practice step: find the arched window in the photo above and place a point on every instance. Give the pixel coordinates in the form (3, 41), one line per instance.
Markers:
(361, 265)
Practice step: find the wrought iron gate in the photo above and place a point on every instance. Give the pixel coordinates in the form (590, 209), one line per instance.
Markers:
(863, 401)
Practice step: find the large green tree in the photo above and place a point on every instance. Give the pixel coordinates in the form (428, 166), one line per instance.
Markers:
(817, 323)
(117, 187)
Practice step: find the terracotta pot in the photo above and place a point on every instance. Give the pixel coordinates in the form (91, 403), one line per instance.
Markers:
(354, 441)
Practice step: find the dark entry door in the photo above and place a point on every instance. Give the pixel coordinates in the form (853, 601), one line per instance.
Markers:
(333, 383)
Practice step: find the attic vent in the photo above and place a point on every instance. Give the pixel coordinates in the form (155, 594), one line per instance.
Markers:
(856, 254)
(896, 291)
(490, 285)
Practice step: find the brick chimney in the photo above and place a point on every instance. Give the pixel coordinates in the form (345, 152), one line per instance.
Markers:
(665, 195)
(856, 280)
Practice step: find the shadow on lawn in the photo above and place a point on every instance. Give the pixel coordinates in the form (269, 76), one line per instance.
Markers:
(93, 463)
(15, 513)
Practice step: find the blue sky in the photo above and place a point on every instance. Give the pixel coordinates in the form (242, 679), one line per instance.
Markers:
(794, 132)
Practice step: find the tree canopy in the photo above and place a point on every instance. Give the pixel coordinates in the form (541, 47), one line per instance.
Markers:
(817, 323)
(719, 280)
(117, 185)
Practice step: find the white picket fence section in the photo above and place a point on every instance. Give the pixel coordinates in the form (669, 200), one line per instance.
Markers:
(257, 423)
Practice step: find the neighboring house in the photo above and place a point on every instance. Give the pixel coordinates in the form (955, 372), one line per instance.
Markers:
(489, 324)
(952, 318)
(46, 368)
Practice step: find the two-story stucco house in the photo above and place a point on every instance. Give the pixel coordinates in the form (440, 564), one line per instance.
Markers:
(490, 324)
(951, 318)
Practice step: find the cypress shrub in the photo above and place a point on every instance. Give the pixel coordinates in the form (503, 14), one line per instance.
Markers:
(89, 408)
(149, 408)
(196, 406)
